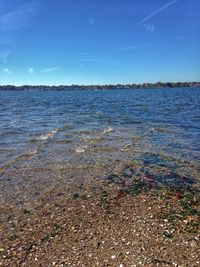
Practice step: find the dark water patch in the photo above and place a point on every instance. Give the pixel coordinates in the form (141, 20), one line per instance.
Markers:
(139, 176)
(62, 141)
(175, 180)
(152, 159)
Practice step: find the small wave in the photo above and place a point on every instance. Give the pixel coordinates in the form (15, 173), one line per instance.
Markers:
(81, 149)
(92, 139)
(47, 135)
(109, 130)
(18, 158)
(32, 152)
(86, 132)
(67, 126)
(164, 130)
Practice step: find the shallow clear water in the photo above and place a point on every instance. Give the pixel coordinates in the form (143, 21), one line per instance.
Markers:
(53, 127)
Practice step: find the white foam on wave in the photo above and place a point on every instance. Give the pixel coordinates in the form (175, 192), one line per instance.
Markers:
(81, 149)
(108, 130)
(47, 135)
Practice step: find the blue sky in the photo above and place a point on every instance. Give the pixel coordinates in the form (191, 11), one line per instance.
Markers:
(99, 41)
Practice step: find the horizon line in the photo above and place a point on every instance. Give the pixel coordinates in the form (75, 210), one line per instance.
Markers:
(103, 84)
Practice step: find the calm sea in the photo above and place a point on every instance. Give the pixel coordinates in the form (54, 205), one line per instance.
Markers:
(38, 128)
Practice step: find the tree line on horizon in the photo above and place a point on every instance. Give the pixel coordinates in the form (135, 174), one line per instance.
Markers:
(100, 87)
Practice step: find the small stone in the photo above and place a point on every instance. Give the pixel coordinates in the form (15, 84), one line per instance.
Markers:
(193, 244)
(113, 257)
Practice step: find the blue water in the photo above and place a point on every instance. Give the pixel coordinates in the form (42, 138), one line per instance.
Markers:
(55, 126)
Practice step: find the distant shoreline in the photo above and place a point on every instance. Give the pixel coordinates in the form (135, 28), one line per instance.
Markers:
(73, 87)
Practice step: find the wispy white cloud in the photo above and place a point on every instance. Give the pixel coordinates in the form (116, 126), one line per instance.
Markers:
(149, 27)
(157, 11)
(18, 18)
(133, 47)
(49, 69)
(30, 71)
(91, 20)
(142, 21)
(6, 70)
(4, 56)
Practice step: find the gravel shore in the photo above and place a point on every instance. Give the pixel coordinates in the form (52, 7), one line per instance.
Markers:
(99, 222)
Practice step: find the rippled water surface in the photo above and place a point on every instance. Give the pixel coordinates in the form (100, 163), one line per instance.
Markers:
(38, 127)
